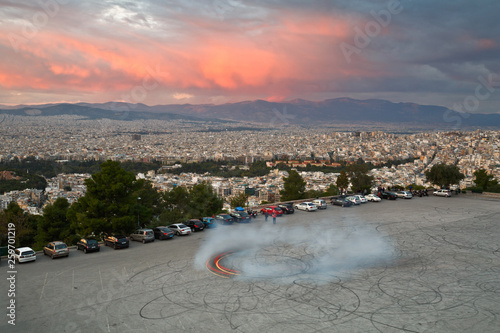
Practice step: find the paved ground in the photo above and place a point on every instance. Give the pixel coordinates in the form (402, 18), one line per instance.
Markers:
(420, 265)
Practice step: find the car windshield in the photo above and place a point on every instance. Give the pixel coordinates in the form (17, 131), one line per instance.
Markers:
(243, 214)
(120, 237)
(91, 241)
(149, 233)
(60, 246)
(182, 226)
(24, 253)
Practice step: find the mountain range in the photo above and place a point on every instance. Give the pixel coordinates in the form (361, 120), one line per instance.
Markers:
(302, 112)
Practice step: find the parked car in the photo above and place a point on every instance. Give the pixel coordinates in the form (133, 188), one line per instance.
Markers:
(56, 249)
(241, 217)
(143, 235)
(88, 245)
(209, 222)
(361, 198)
(224, 219)
(24, 254)
(195, 225)
(353, 199)
(404, 194)
(287, 208)
(180, 229)
(306, 206)
(373, 198)
(272, 210)
(162, 232)
(320, 203)
(442, 193)
(116, 241)
(389, 195)
(341, 202)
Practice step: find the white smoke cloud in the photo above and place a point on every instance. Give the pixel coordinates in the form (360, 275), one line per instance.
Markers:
(320, 251)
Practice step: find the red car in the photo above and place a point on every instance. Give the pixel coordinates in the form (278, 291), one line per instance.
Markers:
(272, 210)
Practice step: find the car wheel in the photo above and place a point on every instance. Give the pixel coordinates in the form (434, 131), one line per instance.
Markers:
(143, 241)
(114, 246)
(52, 256)
(85, 250)
(178, 233)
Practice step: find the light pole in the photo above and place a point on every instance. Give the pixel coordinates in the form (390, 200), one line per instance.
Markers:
(138, 225)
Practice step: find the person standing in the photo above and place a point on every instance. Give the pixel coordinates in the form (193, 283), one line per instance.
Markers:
(274, 218)
(266, 214)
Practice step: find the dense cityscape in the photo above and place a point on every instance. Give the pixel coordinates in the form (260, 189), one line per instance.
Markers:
(175, 143)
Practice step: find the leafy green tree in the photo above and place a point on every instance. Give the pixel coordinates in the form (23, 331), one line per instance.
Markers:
(332, 190)
(444, 175)
(55, 224)
(149, 202)
(483, 180)
(314, 194)
(360, 179)
(204, 201)
(343, 181)
(294, 186)
(239, 200)
(110, 204)
(181, 204)
(23, 223)
(176, 204)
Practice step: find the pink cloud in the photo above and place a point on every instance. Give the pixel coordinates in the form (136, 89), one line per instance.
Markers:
(294, 52)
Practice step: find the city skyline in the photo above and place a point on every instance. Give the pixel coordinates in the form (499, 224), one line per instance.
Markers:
(220, 52)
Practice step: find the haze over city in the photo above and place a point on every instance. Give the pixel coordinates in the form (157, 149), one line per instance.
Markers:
(154, 52)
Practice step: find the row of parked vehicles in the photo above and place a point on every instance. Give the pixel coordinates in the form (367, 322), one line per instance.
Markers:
(60, 249)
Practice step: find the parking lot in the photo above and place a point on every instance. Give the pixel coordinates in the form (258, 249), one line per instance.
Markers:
(428, 264)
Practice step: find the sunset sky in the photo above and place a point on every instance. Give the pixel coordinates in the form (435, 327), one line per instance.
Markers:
(443, 52)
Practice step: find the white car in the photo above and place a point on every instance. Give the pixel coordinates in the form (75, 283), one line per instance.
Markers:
(404, 194)
(307, 206)
(373, 198)
(361, 198)
(24, 254)
(442, 193)
(180, 229)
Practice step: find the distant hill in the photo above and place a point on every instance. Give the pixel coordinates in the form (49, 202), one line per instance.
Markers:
(88, 111)
(328, 112)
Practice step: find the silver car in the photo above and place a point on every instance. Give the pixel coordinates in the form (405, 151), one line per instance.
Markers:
(442, 193)
(143, 235)
(180, 229)
(56, 249)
